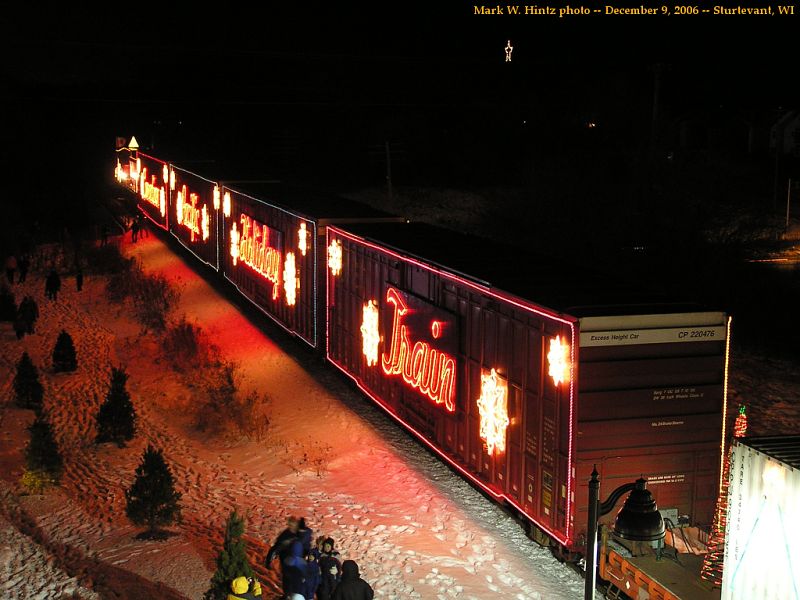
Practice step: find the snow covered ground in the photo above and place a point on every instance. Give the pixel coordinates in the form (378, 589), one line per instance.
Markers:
(416, 529)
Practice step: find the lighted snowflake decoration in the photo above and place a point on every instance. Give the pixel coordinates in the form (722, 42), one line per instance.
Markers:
(302, 238)
(290, 281)
(179, 207)
(335, 257)
(493, 409)
(171, 179)
(165, 174)
(558, 360)
(370, 335)
(162, 202)
(234, 244)
(226, 204)
(204, 222)
(142, 180)
(216, 197)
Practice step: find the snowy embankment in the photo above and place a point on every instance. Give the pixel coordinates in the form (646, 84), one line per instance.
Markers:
(416, 529)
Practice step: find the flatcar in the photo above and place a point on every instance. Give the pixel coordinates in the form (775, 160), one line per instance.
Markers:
(519, 371)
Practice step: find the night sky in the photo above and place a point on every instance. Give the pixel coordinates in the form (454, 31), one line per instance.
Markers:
(310, 93)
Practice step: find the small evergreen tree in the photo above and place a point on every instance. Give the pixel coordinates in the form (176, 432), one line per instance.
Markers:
(116, 417)
(152, 499)
(232, 560)
(28, 391)
(64, 358)
(42, 459)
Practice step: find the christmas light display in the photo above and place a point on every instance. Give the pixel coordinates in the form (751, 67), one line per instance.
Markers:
(714, 557)
(151, 192)
(431, 371)
(335, 257)
(370, 334)
(493, 409)
(252, 247)
(216, 197)
(165, 174)
(119, 173)
(290, 281)
(190, 216)
(509, 49)
(226, 204)
(558, 360)
(172, 179)
(302, 239)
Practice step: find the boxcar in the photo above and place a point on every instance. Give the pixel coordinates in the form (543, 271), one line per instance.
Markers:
(148, 178)
(194, 208)
(271, 253)
(524, 397)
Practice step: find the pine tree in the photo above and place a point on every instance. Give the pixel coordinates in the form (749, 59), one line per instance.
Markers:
(714, 557)
(28, 391)
(42, 457)
(232, 560)
(64, 358)
(116, 417)
(152, 500)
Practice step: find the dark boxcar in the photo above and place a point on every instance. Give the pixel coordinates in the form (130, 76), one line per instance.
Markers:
(193, 218)
(518, 397)
(483, 378)
(272, 254)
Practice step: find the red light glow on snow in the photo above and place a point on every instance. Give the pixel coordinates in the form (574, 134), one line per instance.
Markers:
(251, 246)
(493, 408)
(302, 239)
(430, 371)
(193, 218)
(290, 281)
(335, 257)
(558, 360)
(370, 333)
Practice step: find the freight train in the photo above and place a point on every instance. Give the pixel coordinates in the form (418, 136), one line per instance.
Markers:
(518, 371)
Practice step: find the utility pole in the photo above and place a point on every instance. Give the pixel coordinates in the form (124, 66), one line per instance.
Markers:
(389, 171)
(788, 197)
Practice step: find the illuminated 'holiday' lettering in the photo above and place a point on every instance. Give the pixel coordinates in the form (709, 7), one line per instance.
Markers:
(430, 371)
(493, 408)
(251, 246)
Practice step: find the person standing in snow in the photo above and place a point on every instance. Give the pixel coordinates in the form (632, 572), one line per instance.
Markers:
(330, 568)
(281, 546)
(20, 326)
(352, 587)
(79, 278)
(296, 571)
(245, 588)
(52, 285)
(29, 312)
(304, 533)
(24, 264)
(11, 266)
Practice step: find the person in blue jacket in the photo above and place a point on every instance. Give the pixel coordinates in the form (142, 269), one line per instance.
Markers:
(296, 571)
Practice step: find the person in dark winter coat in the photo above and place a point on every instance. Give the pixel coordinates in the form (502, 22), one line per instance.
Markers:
(20, 326)
(29, 312)
(79, 278)
(134, 230)
(52, 285)
(304, 533)
(352, 587)
(24, 264)
(296, 571)
(280, 548)
(330, 568)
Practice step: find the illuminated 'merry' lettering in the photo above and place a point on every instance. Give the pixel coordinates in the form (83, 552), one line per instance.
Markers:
(430, 371)
(193, 218)
(251, 246)
(151, 192)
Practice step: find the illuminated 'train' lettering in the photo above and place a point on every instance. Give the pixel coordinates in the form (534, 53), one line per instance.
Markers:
(251, 246)
(430, 371)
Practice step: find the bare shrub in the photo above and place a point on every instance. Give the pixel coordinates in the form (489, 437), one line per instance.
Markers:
(122, 285)
(153, 299)
(108, 259)
(305, 455)
(254, 415)
(188, 347)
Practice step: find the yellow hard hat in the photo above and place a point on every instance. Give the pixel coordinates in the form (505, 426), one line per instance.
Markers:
(240, 585)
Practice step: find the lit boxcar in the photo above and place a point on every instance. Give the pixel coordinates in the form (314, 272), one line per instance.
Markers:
(193, 210)
(524, 397)
(762, 537)
(271, 253)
